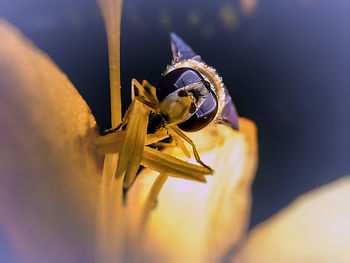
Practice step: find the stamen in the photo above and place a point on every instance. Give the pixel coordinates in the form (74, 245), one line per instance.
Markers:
(110, 223)
(167, 164)
(132, 150)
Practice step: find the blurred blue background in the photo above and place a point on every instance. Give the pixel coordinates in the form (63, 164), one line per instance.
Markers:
(286, 64)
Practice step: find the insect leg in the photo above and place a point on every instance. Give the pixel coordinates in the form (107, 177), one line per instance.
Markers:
(147, 95)
(159, 135)
(188, 140)
(120, 125)
(179, 142)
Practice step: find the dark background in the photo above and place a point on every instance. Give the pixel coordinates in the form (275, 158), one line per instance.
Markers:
(286, 65)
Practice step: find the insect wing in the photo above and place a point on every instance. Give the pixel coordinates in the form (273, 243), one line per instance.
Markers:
(181, 51)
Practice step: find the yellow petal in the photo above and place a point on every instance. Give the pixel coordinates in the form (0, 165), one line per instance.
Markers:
(313, 228)
(49, 169)
(196, 222)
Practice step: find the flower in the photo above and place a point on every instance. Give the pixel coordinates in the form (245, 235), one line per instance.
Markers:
(51, 180)
(56, 207)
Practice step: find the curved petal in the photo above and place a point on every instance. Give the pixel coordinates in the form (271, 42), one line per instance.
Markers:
(314, 228)
(199, 222)
(49, 171)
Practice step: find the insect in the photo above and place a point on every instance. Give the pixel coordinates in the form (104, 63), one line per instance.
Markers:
(189, 73)
(189, 96)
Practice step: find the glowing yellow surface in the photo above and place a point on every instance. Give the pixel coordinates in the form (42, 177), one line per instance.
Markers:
(191, 218)
(313, 228)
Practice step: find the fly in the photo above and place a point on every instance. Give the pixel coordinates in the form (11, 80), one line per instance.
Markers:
(189, 96)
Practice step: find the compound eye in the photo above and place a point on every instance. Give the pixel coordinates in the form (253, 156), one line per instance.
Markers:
(178, 79)
(203, 115)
